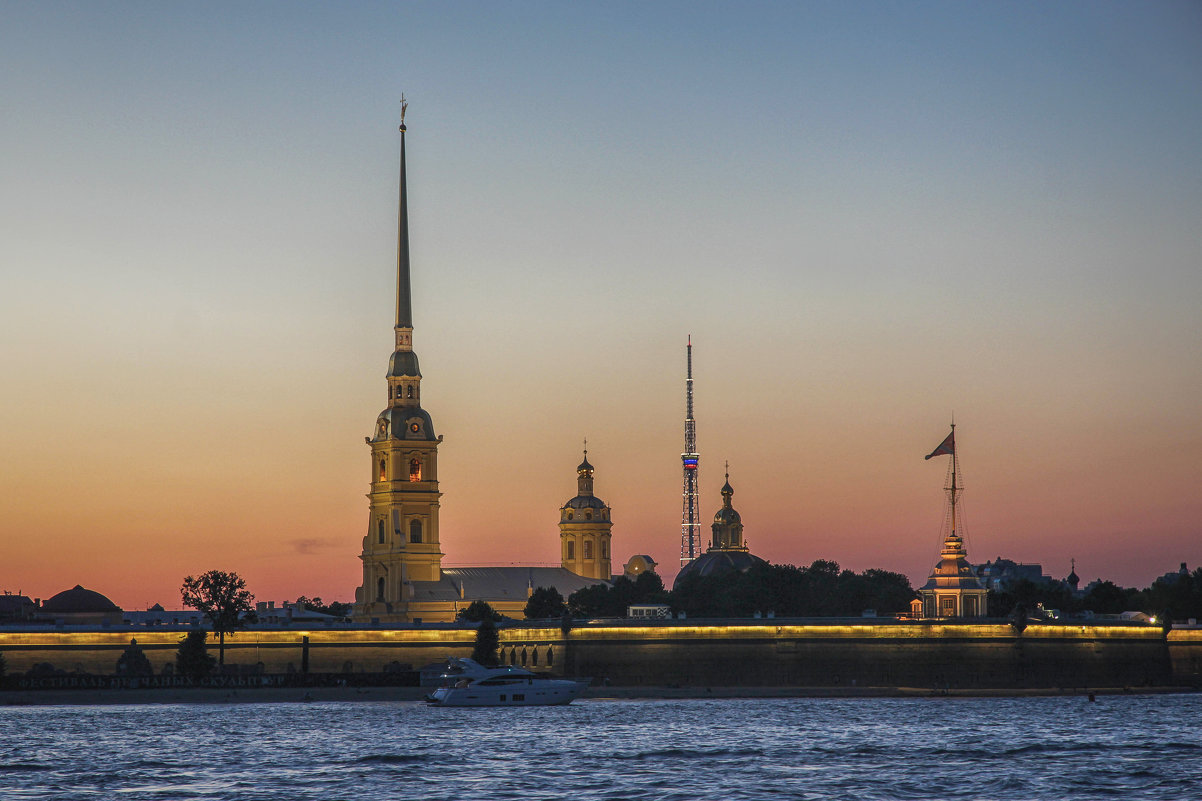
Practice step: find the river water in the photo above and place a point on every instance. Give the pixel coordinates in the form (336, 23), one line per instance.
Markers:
(1064, 748)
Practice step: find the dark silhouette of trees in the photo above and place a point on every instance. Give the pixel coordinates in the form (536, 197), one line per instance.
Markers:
(335, 608)
(223, 599)
(1178, 596)
(192, 657)
(820, 590)
(1032, 596)
(487, 642)
(478, 611)
(545, 602)
(600, 600)
(1107, 598)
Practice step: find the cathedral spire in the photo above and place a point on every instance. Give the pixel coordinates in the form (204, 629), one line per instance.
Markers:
(404, 418)
(404, 310)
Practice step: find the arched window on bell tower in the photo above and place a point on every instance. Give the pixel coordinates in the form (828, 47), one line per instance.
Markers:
(380, 535)
(415, 531)
(380, 589)
(383, 469)
(415, 469)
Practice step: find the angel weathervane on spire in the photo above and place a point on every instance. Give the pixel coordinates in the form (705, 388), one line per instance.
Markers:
(404, 108)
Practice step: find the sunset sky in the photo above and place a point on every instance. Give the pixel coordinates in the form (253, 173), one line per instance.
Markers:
(869, 217)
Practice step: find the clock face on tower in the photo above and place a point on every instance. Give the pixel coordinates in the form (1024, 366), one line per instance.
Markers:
(415, 427)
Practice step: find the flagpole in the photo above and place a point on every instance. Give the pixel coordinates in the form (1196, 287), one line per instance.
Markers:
(955, 470)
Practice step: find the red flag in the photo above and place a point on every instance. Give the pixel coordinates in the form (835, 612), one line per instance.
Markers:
(946, 448)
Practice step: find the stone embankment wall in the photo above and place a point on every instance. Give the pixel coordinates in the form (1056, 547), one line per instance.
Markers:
(694, 653)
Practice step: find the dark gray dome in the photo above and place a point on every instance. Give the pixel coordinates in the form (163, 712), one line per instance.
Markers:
(397, 422)
(718, 563)
(403, 364)
(78, 599)
(585, 502)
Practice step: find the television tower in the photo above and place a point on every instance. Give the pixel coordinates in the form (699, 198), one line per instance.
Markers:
(690, 522)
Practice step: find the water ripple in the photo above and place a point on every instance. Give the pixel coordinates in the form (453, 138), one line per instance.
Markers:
(1130, 747)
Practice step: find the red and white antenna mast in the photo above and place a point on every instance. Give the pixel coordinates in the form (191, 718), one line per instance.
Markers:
(690, 522)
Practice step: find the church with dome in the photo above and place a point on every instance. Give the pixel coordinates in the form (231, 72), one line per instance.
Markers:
(403, 577)
(728, 552)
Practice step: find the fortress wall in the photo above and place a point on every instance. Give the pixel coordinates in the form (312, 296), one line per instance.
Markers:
(280, 651)
(1185, 652)
(774, 653)
(922, 655)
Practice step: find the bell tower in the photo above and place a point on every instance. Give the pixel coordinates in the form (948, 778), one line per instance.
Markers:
(584, 528)
(401, 545)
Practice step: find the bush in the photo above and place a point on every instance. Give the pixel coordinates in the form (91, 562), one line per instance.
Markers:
(487, 643)
(545, 603)
(192, 659)
(478, 611)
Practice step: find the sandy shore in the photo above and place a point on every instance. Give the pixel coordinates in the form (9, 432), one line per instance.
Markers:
(413, 694)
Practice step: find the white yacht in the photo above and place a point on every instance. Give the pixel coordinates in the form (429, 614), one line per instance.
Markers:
(468, 683)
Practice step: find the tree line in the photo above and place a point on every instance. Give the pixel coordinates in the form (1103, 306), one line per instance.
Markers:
(822, 589)
(1174, 597)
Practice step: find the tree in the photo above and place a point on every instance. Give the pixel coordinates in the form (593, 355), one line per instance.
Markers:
(1107, 598)
(822, 589)
(600, 600)
(476, 612)
(487, 642)
(223, 599)
(192, 658)
(545, 602)
(335, 608)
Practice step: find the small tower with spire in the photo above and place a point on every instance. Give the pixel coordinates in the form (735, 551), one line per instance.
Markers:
(953, 590)
(584, 528)
(402, 544)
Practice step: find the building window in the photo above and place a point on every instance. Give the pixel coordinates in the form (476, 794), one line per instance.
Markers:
(534, 657)
(380, 531)
(569, 515)
(409, 391)
(550, 657)
(415, 469)
(948, 604)
(523, 657)
(588, 549)
(571, 550)
(383, 469)
(604, 549)
(380, 589)
(415, 531)
(588, 515)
